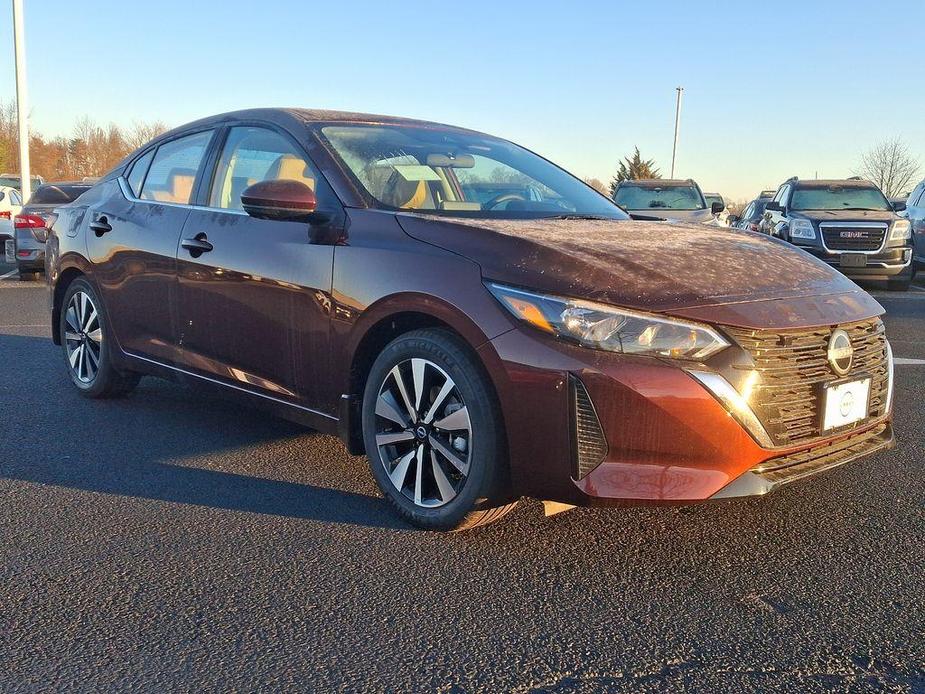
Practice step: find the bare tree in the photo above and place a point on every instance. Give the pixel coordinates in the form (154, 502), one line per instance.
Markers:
(598, 185)
(891, 166)
(142, 133)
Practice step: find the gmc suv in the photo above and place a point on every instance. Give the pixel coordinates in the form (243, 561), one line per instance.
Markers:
(847, 223)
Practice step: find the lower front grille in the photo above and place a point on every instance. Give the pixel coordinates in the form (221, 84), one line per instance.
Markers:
(589, 447)
(828, 455)
(791, 368)
(852, 237)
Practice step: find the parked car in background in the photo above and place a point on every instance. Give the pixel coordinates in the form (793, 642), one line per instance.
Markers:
(331, 267)
(712, 200)
(674, 200)
(10, 206)
(847, 223)
(31, 224)
(915, 213)
(15, 181)
(751, 216)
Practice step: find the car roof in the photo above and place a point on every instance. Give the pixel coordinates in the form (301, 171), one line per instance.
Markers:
(834, 182)
(284, 116)
(659, 182)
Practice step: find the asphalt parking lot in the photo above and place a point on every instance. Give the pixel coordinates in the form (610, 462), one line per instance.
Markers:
(174, 541)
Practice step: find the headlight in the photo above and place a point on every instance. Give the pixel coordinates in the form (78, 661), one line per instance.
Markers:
(802, 229)
(600, 326)
(901, 230)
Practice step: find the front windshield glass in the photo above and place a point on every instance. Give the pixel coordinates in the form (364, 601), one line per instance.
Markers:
(685, 197)
(839, 198)
(461, 174)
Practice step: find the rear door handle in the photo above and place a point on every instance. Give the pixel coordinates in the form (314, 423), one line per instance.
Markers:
(100, 226)
(197, 245)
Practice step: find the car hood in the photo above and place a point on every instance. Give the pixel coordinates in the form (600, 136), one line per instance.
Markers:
(846, 215)
(684, 270)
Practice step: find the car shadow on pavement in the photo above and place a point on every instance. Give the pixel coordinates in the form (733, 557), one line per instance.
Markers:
(164, 442)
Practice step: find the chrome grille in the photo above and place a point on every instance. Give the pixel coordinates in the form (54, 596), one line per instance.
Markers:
(589, 444)
(852, 237)
(791, 367)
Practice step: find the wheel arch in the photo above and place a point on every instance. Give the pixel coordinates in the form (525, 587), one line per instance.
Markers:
(62, 281)
(383, 322)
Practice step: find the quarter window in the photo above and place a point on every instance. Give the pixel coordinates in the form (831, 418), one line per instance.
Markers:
(137, 174)
(252, 155)
(173, 171)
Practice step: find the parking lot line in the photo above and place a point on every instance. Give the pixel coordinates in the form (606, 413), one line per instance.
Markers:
(903, 361)
(9, 274)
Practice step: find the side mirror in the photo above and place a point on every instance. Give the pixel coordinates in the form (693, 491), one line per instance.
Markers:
(717, 207)
(734, 219)
(280, 200)
(773, 207)
(899, 206)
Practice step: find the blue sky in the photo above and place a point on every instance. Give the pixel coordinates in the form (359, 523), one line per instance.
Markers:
(771, 89)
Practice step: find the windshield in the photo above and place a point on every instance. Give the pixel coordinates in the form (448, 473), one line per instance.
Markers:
(460, 174)
(839, 198)
(685, 197)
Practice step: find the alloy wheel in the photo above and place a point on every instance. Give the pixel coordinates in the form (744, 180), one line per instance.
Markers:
(83, 337)
(423, 432)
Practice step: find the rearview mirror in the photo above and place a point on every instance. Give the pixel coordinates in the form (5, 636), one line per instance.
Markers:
(279, 200)
(717, 207)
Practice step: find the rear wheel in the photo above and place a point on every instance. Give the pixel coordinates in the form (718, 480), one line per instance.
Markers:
(86, 342)
(433, 435)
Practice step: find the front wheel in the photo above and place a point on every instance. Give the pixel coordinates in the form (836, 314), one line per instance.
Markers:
(86, 342)
(433, 433)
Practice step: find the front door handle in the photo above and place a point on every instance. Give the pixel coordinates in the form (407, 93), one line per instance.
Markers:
(100, 226)
(197, 245)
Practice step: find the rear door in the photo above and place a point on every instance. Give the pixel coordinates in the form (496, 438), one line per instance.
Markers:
(254, 309)
(134, 229)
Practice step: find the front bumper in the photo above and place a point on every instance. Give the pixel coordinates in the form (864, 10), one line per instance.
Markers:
(668, 438)
(889, 262)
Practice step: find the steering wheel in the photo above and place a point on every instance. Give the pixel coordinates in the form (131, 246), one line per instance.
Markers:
(503, 197)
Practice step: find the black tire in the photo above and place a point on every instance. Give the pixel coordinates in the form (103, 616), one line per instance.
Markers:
(106, 382)
(480, 493)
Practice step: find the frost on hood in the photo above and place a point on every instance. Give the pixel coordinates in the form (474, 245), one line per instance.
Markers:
(656, 264)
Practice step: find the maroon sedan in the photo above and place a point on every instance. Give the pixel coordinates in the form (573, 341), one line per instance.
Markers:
(476, 320)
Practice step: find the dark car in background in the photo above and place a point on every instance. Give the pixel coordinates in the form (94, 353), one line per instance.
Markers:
(674, 200)
(848, 223)
(915, 213)
(751, 216)
(333, 268)
(30, 226)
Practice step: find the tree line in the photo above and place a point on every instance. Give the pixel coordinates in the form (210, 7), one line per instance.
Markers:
(89, 151)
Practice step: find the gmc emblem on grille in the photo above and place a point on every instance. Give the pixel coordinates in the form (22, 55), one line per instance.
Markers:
(840, 352)
(853, 234)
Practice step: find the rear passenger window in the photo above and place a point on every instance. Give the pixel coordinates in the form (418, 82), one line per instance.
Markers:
(173, 170)
(137, 174)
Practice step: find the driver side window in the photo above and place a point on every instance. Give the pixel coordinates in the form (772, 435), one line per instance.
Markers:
(252, 155)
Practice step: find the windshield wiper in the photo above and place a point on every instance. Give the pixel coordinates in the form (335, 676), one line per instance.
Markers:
(860, 209)
(582, 216)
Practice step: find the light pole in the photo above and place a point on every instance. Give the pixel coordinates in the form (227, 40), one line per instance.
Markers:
(22, 110)
(677, 127)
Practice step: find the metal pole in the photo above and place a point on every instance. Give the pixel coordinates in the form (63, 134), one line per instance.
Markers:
(22, 103)
(677, 127)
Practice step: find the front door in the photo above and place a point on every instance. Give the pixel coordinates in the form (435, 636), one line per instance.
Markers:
(254, 294)
(134, 229)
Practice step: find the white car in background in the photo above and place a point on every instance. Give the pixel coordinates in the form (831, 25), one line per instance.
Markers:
(10, 206)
